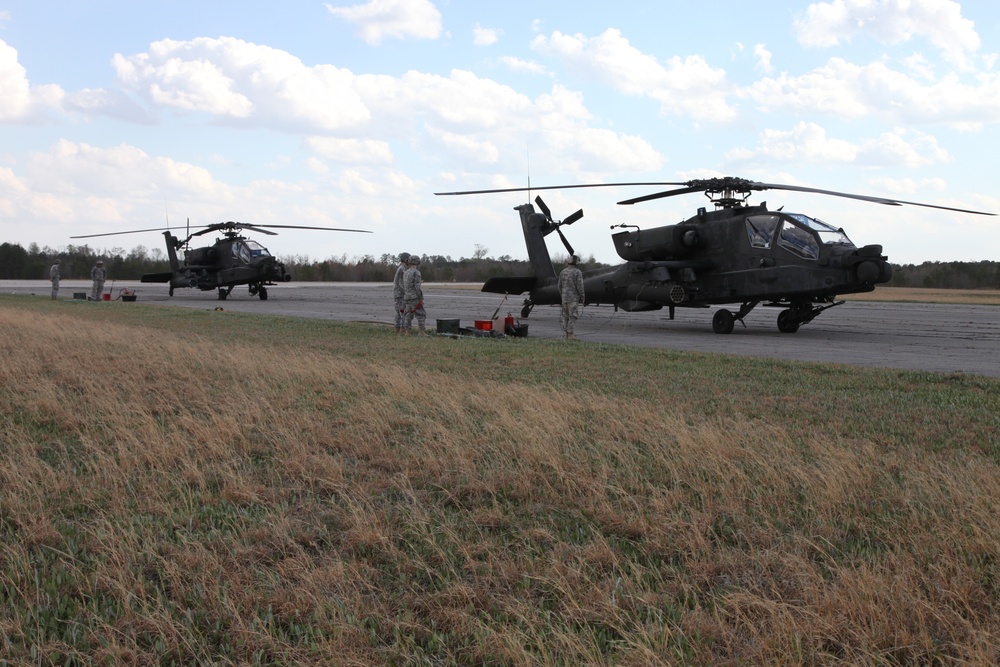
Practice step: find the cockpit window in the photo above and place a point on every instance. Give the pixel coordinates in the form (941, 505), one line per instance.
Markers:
(760, 230)
(241, 252)
(257, 250)
(798, 240)
(828, 234)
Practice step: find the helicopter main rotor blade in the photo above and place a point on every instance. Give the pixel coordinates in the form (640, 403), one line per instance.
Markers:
(661, 195)
(255, 228)
(877, 200)
(557, 187)
(327, 229)
(132, 231)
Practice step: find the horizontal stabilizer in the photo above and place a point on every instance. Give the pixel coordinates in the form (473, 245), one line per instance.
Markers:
(156, 277)
(510, 285)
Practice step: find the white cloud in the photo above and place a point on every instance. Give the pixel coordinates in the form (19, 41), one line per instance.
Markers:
(902, 149)
(687, 86)
(485, 36)
(808, 143)
(74, 184)
(378, 19)
(460, 100)
(467, 148)
(891, 22)
(353, 151)
(15, 91)
(763, 59)
(907, 186)
(245, 82)
(846, 90)
(518, 65)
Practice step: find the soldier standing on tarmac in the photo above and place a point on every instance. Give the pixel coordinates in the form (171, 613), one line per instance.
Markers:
(572, 295)
(397, 290)
(413, 297)
(54, 277)
(98, 274)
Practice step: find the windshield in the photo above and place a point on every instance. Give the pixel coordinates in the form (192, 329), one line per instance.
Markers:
(828, 234)
(257, 250)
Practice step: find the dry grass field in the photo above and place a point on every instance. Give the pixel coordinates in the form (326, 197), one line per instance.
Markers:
(928, 295)
(197, 487)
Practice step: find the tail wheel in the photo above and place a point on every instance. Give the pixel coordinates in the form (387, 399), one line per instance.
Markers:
(723, 322)
(526, 310)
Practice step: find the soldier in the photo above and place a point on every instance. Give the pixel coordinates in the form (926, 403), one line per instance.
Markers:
(397, 290)
(413, 297)
(98, 275)
(54, 277)
(572, 296)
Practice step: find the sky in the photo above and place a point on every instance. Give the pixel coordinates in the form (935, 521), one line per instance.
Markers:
(119, 116)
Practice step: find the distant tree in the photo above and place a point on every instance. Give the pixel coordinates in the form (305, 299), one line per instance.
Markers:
(480, 252)
(13, 261)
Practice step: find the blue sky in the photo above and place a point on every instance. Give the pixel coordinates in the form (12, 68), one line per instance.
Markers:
(124, 115)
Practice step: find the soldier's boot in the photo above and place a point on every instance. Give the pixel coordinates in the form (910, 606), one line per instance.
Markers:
(397, 331)
(422, 332)
(570, 336)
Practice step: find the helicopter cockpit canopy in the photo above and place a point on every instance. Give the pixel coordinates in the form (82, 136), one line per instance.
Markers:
(246, 249)
(828, 234)
(257, 250)
(800, 234)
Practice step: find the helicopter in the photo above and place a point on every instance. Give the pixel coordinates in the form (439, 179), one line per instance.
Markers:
(736, 254)
(232, 260)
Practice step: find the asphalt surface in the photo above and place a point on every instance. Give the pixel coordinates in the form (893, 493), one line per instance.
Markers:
(931, 337)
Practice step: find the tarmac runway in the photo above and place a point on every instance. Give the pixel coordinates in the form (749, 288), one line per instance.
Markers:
(915, 336)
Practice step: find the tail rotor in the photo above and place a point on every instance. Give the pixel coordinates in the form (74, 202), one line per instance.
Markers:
(556, 224)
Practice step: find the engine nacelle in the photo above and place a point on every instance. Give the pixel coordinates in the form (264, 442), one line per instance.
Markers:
(659, 243)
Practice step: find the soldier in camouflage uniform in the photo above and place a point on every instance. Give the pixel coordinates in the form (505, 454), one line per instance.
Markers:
(397, 290)
(413, 297)
(572, 296)
(98, 274)
(54, 277)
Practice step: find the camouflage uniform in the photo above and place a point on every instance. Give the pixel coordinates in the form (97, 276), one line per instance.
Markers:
(571, 295)
(54, 277)
(397, 290)
(98, 274)
(413, 297)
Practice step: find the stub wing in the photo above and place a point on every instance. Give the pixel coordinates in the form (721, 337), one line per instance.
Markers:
(510, 285)
(156, 277)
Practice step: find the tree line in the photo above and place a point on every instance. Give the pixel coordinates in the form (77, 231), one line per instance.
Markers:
(18, 263)
(33, 263)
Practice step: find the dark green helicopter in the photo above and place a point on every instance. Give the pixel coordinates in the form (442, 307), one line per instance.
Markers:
(232, 260)
(736, 254)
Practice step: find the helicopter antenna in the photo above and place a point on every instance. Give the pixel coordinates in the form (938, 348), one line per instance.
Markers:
(527, 162)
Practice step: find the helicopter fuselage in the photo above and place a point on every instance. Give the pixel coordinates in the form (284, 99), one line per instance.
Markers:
(746, 255)
(231, 261)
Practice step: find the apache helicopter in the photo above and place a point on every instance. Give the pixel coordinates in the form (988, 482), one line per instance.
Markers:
(232, 260)
(737, 254)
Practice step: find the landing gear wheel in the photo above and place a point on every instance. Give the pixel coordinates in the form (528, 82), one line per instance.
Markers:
(170, 292)
(787, 323)
(526, 310)
(262, 293)
(722, 322)
(223, 294)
